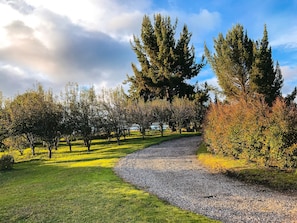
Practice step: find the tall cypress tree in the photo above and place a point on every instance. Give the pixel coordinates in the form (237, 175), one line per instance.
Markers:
(165, 63)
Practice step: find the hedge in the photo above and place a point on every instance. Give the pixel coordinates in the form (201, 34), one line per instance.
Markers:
(254, 131)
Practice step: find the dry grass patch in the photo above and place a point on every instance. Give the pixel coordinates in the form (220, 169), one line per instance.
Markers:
(285, 181)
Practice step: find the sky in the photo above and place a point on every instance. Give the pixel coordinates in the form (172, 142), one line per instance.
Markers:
(54, 42)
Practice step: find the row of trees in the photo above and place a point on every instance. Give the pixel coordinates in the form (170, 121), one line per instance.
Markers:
(39, 115)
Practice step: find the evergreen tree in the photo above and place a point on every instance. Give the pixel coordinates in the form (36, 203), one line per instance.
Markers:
(165, 63)
(265, 79)
(289, 99)
(244, 67)
(232, 62)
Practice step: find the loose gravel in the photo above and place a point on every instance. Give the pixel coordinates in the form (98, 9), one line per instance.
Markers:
(171, 171)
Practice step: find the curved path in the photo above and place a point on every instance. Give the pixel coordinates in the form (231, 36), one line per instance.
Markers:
(171, 171)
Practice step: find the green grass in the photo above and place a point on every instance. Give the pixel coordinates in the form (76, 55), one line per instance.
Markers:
(81, 187)
(285, 181)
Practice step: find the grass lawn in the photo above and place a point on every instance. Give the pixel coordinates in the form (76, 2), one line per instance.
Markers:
(285, 181)
(81, 187)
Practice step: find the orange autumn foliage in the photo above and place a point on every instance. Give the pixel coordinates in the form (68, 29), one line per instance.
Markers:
(254, 131)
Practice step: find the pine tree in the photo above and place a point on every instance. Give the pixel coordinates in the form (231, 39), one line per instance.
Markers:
(165, 63)
(244, 67)
(232, 62)
(265, 79)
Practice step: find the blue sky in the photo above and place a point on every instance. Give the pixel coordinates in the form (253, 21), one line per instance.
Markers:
(54, 42)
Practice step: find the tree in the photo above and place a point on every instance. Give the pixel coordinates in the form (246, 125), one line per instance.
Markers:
(165, 63)
(24, 116)
(289, 99)
(232, 62)
(114, 104)
(161, 113)
(35, 114)
(244, 67)
(70, 112)
(201, 104)
(4, 121)
(265, 79)
(19, 143)
(50, 123)
(141, 114)
(182, 110)
(88, 115)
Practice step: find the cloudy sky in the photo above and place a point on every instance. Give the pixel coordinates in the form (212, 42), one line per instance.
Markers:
(54, 42)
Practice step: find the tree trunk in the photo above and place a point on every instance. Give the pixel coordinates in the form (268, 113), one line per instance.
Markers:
(118, 139)
(30, 139)
(88, 144)
(33, 150)
(49, 151)
(161, 129)
(56, 142)
(68, 141)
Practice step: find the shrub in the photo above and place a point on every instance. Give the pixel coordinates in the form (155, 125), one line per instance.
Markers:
(254, 131)
(6, 162)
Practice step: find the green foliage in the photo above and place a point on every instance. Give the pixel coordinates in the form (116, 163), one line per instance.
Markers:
(35, 114)
(232, 62)
(19, 143)
(265, 79)
(165, 63)
(6, 162)
(254, 131)
(244, 67)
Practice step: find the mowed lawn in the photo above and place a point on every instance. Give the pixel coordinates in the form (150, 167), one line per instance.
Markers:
(80, 186)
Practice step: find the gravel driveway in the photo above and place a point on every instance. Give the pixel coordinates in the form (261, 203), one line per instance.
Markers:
(171, 171)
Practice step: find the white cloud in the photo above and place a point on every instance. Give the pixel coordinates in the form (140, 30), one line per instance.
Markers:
(51, 48)
(200, 24)
(290, 78)
(204, 20)
(115, 18)
(287, 39)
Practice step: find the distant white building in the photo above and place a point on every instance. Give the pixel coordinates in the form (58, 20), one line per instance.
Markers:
(134, 127)
(156, 126)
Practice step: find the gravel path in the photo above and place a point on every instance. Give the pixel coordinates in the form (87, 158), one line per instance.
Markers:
(172, 172)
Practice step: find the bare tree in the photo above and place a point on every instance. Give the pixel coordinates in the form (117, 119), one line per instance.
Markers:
(182, 112)
(140, 112)
(114, 105)
(161, 113)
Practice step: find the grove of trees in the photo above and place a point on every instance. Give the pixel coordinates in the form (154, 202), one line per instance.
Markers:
(38, 116)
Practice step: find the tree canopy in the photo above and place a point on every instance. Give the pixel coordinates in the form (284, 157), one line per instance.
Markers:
(165, 63)
(245, 67)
